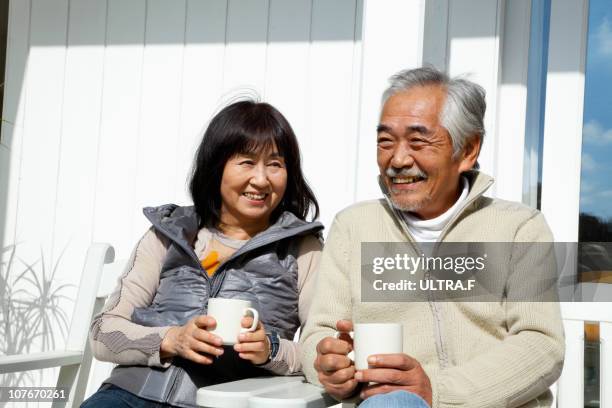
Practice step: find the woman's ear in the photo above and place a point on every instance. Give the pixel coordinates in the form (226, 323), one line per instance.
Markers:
(470, 153)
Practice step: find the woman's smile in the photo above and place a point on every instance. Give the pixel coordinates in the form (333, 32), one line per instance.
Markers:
(255, 198)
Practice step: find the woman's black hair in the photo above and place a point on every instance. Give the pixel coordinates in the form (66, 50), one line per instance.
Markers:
(241, 128)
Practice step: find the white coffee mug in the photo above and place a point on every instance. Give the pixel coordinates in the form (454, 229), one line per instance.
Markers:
(228, 313)
(376, 338)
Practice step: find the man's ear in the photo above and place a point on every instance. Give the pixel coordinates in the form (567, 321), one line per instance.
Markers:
(470, 153)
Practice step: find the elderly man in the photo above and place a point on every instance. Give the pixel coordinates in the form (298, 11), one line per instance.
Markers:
(456, 354)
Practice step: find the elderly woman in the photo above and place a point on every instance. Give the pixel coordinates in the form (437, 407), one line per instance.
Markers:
(246, 237)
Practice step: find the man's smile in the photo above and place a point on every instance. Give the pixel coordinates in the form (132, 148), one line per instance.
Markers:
(406, 183)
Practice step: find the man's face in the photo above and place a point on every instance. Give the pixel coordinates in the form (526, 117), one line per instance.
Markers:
(415, 153)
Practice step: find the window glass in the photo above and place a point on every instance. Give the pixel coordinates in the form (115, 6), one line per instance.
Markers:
(596, 172)
(536, 94)
(595, 226)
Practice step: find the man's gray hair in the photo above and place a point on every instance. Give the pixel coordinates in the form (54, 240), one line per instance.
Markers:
(465, 106)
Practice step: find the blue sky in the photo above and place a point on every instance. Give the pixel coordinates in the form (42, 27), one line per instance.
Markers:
(596, 177)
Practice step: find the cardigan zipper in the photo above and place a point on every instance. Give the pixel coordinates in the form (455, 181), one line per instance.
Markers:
(433, 305)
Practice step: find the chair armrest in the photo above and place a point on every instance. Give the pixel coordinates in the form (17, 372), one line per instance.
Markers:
(37, 361)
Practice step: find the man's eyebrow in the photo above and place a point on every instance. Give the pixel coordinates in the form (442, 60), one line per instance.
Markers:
(422, 129)
(382, 128)
(418, 129)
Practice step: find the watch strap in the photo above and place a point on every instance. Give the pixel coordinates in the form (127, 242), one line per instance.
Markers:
(274, 340)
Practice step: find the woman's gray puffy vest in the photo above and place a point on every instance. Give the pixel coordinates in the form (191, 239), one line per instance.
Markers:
(263, 270)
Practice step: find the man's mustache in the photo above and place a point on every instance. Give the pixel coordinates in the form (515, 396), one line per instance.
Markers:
(405, 172)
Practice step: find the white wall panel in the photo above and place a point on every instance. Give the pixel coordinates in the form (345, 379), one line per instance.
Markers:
(327, 160)
(43, 126)
(244, 64)
(13, 115)
(563, 117)
(18, 34)
(120, 124)
(509, 132)
(147, 75)
(117, 92)
(435, 33)
(475, 29)
(202, 82)
(392, 40)
(288, 58)
(160, 108)
(79, 139)
(109, 99)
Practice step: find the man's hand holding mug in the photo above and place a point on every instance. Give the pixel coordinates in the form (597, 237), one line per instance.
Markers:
(394, 372)
(388, 370)
(336, 370)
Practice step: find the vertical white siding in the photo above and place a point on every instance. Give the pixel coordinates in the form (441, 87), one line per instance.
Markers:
(327, 162)
(78, 149)
(561, 161)
(159, 107)
(474, 30)
(43, 113)
(489, 42)
(120, 124)
(115, 95)
(13, 115)
(106, 101)
(202, 81)
(244, 63)
(509, 132)
(392, 40)
(288, 58)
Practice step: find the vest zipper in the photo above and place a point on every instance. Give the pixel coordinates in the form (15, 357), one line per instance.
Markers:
(173, 387)
(254, 243)
(251, 245)
(190, 252)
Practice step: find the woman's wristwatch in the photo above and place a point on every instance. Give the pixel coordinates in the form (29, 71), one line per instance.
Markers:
(274, 340)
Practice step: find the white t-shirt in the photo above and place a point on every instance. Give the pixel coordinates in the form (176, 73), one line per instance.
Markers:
(430, 230)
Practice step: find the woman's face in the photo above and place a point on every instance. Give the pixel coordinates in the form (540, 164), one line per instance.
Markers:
(252, 186)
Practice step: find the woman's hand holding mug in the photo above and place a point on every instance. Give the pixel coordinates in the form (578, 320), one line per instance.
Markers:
(253, 346)
(193, 341)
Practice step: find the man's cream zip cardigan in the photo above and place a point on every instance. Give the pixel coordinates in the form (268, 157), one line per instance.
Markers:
(476, 354)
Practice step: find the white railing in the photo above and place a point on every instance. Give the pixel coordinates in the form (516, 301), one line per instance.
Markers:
(571, 387)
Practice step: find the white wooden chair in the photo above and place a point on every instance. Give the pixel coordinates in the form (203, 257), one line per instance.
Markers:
(98, 279)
